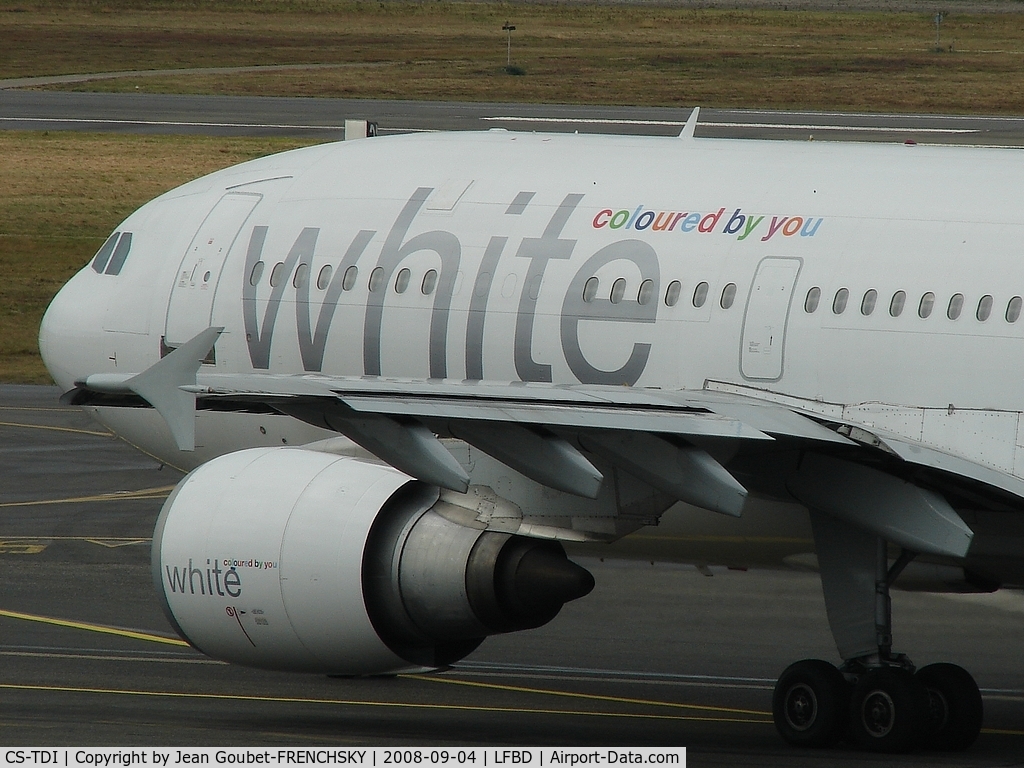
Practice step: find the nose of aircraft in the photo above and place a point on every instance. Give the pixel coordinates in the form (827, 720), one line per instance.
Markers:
(64, 334)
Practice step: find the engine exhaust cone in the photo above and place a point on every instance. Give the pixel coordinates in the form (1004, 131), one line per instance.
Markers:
(534, 579)
(547, 576)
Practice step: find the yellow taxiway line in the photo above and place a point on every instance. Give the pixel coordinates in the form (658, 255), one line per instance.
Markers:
(84, 625)
(144, 493)
(56, 429)
(727, 714)
(593, 696)
(364, 703)
(37, 408)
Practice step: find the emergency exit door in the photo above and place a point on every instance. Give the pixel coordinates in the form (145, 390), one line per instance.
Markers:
(763, 341)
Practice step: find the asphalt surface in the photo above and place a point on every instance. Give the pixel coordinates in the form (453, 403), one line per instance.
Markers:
(325, 118)
(655, 656)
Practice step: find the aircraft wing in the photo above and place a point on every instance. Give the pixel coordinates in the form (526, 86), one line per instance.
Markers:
(687, 412)
(904, 490)
(537, 429)
(908, 491)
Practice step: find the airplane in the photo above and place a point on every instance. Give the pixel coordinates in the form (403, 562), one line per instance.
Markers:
(407, 373)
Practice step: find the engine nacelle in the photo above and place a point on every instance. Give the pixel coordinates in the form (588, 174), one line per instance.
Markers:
(291, 559)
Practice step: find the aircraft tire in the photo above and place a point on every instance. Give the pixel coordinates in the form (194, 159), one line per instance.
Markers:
(888, 711)
(810, 703)
(955, 709)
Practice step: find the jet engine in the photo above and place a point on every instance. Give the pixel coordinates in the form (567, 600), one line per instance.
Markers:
(292, 559)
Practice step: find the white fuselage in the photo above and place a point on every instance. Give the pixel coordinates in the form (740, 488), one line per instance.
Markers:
(502, 234)
(484, 245)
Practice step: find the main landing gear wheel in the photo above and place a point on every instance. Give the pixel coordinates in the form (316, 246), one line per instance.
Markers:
(954, 706)
(888, 710)
(810, 704)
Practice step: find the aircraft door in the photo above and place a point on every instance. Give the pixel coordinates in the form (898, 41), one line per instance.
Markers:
(762, 343)
(190, 308)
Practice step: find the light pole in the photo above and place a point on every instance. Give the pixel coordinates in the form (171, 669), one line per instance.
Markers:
(508, 58)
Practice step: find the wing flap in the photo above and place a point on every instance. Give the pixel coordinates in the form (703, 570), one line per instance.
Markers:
(954, 465)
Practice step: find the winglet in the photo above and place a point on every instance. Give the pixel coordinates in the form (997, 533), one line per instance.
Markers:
(691, 125)
(161, 386)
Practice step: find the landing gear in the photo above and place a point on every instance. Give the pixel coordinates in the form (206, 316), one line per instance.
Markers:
(875, 701)
(883, 709)
(954, 706)
(888, 711)
(810, 703)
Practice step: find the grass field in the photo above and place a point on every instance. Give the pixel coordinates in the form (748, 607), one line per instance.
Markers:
(607, 54)
(62, 194)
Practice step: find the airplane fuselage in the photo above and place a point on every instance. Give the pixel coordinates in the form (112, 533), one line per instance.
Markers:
(558, 337)
(849, 278)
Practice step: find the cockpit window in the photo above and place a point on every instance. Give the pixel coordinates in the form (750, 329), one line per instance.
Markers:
(120, 254)
(99, 263)
(111, 256)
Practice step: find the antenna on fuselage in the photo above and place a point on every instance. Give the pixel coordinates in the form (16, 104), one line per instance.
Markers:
(691, 124)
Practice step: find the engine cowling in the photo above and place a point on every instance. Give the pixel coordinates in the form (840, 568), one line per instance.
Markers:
(292, 559)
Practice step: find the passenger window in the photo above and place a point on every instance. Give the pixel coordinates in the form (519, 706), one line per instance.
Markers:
(899, 299)
(120, 254)
(1013, 309)
(402, 281)
(618, 290)
(590, 289)
(99, 262)
(700, 295)
(376, 278)
(728, 295)
(672, 293)
(956, 305)
(533, 288)
(257, 273)
(867, 304)
(429, 282)
(348, 282)
(482, 284)
(984, 308)
(924, 309)
(646, 293)
(276, 274)
(812, 299)
(301, 276)
(324, 278)
(839, 302)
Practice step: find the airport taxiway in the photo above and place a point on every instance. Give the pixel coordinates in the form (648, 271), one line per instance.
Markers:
(655, 656)
(325, 118)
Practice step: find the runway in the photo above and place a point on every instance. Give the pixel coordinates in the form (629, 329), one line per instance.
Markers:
(655, 656)
(325, 118)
